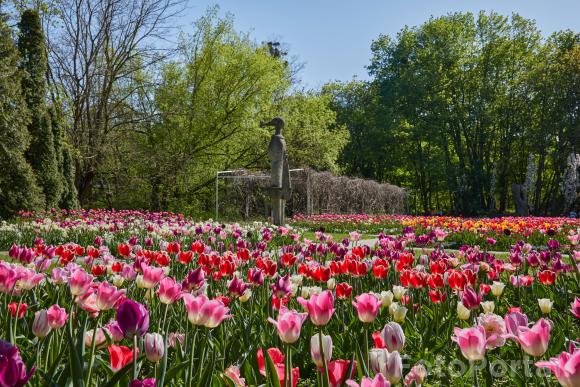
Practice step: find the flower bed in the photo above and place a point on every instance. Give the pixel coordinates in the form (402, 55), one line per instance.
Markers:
(504, 230)
(155, 299)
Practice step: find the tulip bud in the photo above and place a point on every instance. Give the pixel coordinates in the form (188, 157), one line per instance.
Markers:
(118, 280)
(305, 292)
(392, 308)
(296, 279)
(154, 347)
(386, 298)
(40, 327)
(246, 296)
(399, 292)
(488, 306)
(331, 284)
(399, 314)
(315, 349)
(497, 288)
(140, 282)
(462, 312)
(545, 305)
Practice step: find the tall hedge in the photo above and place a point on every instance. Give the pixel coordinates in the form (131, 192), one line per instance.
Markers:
(18, 189)
(41, 152)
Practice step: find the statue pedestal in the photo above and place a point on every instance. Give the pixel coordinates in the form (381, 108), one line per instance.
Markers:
(278, 206)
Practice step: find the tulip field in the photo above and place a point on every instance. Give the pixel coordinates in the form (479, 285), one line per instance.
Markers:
(132, 298)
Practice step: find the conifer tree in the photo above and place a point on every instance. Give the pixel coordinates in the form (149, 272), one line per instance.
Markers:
(41, 152)
(18, 189)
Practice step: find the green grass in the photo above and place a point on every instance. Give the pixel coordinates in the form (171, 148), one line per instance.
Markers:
(337, 236)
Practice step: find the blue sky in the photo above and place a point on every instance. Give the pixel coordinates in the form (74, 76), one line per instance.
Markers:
(332, 38)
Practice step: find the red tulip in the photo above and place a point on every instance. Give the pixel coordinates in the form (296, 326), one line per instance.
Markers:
(278, 360)
(124, 250)
(120, 356)
(17, 311)
(343, 290)
(547, 277)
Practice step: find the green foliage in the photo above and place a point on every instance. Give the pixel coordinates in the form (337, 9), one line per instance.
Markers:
(312, 136)
(456, 107)
(41, 152)
(208, 106)
(18, 189)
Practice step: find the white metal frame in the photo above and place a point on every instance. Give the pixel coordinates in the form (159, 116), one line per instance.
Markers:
(227, 175)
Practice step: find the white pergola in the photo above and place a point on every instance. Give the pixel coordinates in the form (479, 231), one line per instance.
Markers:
(232, 175)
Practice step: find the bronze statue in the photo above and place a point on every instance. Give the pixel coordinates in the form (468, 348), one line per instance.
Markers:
(281, 188)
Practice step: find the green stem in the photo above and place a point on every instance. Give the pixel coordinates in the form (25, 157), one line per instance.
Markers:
(135, 357)
(325, 378)
(92, 358)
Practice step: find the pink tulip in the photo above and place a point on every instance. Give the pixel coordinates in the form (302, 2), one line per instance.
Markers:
(202, 311)
(417, 375)
(367, 307)
(193, 306)
(320, 307)
(107, 296)
(566, 367)
(495, 329)
(80, 282)
(515, 320)
(534, 341)
(215, 312)
(378, 381)
(151, 276)
(169, 291)
(471, 341)
(40, 326)
(575, 307)
(57, 317)
(28, 278)
(8, 278)
(289, 324)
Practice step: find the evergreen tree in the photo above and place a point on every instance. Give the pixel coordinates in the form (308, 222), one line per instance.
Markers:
(41, 153)
(68, 197)
(18, 189)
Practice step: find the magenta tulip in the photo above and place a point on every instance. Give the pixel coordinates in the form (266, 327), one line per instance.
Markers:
(12, 368)
(133, 318)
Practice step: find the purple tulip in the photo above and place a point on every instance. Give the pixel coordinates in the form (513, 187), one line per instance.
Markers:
(194, 280)
(12, 368)
(143, 383)
(133, 318)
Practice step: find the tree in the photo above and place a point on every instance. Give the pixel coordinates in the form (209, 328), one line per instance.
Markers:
(41, 152)
(99, 46)
(18, 189)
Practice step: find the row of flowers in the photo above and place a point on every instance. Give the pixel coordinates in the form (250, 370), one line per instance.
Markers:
(504, 230)
(225, 305)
